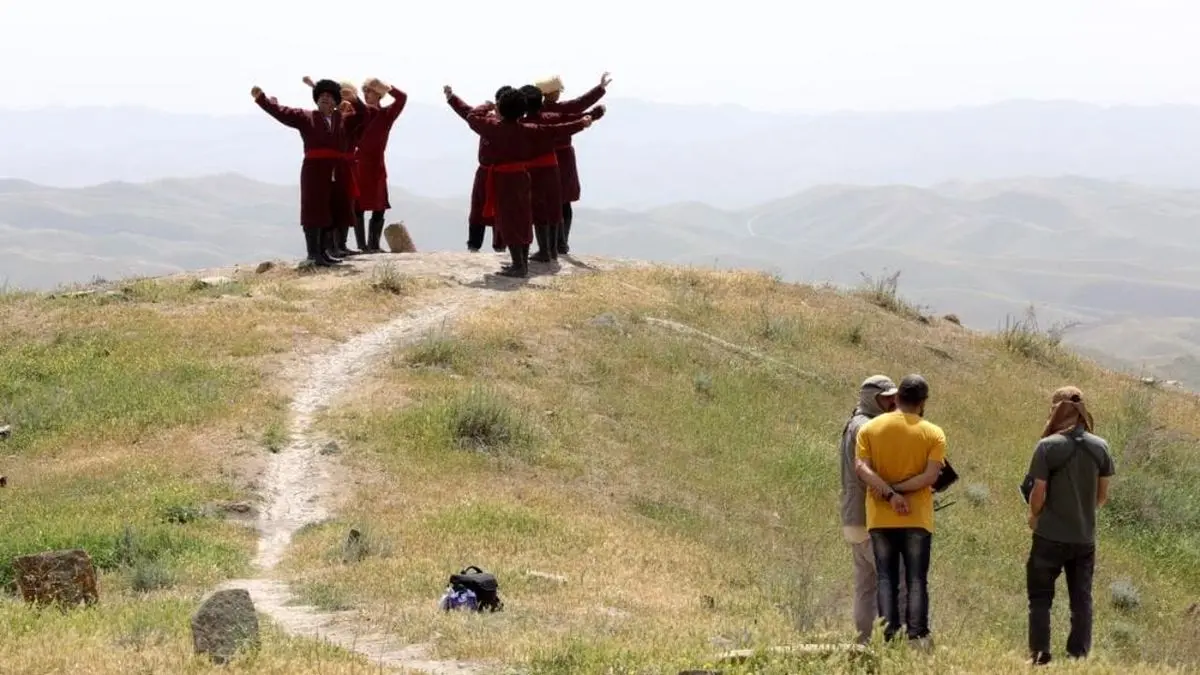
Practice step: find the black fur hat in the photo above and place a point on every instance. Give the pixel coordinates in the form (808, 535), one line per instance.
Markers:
(327, 86)
(533, 98)
(511, 105)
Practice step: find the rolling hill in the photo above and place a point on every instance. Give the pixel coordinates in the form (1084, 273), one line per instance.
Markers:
(1118, 259)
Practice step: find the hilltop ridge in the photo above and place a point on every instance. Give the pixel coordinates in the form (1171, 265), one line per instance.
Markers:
(645, 455)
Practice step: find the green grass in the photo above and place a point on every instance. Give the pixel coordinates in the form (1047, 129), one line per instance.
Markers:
(659, 468)
(108, 384)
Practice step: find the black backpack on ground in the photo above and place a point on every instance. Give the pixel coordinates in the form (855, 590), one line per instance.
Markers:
(482, 584)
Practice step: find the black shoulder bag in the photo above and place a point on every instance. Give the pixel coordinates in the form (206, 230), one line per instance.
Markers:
(483, 584)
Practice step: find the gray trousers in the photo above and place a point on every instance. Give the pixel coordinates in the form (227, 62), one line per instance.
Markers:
(866, 602)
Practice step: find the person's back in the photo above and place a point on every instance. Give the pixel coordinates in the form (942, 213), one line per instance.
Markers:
(908, 441)
(1070, 470)
(899, 455)
(1078, 457)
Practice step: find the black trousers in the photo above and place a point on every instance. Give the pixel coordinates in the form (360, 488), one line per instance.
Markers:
(1047, 560)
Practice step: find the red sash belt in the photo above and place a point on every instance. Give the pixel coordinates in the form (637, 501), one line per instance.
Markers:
(347, 163)
(548, 159)
(489, 201)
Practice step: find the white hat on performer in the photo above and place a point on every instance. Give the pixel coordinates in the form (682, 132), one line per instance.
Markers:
(550, 84)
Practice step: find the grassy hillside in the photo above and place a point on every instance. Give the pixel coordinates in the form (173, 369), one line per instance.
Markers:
(569, 434)
(142, 413)
(684, 491)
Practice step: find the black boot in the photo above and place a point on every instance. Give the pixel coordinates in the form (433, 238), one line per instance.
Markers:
(564, 232)
(360, 232)
(552, 235)
(540, 232)
(474, 237)
(343, 236)
(375, 233)
(520, 263)
(326, 239)
(312, 244)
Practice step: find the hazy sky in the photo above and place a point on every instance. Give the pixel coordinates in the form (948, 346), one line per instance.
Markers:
(776, 54)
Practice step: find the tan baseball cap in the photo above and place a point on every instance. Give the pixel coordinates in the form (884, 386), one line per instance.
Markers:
(881, 384)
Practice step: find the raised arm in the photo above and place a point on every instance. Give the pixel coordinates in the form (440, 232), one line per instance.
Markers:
(481, 122)
(461, 107)
(399, 99)
(551, 131)
(291, 117)
(560, 118)
(579, 105)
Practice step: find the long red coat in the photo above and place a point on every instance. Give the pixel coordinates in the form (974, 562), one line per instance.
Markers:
(327, 190)
(545, 183)
(509, 144)
(486, 159)
(568, 171)
(369, 157)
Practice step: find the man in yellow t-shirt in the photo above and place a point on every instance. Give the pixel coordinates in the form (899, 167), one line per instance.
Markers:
(899, 455)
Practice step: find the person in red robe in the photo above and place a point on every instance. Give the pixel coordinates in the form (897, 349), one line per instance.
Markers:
(506, 187)
(545, 183)
(476, 222)
(568, 172)
(327, 189)
(370, 162)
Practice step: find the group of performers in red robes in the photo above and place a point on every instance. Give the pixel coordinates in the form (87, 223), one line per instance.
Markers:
(343, 174)
(524, 187)
(547, 157)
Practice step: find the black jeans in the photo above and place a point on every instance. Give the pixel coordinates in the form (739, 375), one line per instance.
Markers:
(913, 546)
(1048, 559)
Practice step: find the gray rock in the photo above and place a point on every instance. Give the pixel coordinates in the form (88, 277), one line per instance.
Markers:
(5, 431)
(225, 623)
(263, 267)
(209, 282)
(606, 320)
(331, 448)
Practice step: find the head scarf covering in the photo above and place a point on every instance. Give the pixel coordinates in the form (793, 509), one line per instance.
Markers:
(872, 387)
(1069, 411)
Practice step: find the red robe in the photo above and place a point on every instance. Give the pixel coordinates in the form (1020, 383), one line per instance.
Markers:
(327, 190)
(506, 184)
(568, 172)
(545, 182)
(369, 156)
(486, 159)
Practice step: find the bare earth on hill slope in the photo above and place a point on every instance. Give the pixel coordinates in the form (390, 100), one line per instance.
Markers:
(298, 482)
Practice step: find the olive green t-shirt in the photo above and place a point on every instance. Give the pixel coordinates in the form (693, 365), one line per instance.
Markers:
(1078, 461)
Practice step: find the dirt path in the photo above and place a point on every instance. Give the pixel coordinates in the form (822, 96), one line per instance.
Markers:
(298, 481)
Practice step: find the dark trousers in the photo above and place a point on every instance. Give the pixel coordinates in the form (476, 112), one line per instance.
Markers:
(1048, 559)
(912, 545)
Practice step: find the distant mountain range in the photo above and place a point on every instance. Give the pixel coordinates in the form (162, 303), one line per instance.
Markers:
(643, 154)
(1121, 259)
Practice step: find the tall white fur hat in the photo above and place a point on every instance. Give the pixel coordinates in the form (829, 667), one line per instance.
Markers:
(550, 84)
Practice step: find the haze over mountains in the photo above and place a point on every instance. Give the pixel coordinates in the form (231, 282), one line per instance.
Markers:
(991, 216)
(643, 154)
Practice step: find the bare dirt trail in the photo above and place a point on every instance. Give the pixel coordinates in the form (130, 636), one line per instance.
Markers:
(298, 481)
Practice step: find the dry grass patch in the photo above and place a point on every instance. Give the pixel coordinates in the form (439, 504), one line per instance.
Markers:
(129, 634)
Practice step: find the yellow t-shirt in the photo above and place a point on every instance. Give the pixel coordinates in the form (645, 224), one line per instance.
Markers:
(898, 445)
